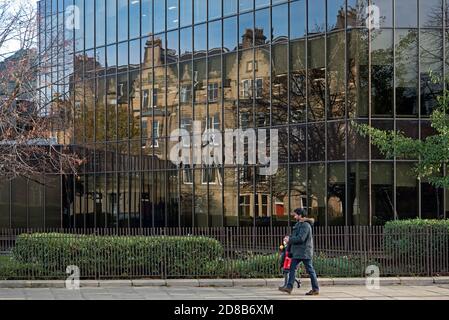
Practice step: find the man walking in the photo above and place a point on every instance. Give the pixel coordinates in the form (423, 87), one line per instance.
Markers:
(301, 250)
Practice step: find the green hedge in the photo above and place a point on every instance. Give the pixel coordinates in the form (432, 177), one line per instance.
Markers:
(114, 256)
(267, 266)
(416, 244)
(416, 237)
(11, 269)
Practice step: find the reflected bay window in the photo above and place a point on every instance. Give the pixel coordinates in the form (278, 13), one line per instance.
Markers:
(155, 134)
(212, 92)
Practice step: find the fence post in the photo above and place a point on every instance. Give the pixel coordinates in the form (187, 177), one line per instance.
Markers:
(427, 256)
(429, 246)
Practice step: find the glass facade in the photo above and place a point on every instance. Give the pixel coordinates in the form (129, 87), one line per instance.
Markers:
(135, 70)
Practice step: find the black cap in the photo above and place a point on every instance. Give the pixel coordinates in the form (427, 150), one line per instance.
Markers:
(300, 212)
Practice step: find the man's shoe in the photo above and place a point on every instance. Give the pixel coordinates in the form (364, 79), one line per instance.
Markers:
(287, 290)
(281, 288)
(313, 293)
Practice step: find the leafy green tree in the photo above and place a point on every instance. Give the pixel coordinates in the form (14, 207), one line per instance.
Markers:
(433, 152)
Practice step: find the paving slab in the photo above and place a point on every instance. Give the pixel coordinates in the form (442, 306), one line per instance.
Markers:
(115, 283)
(416, 281)
(15, 284)
(47, 284)
(441, 280)
(216, 283)
(89, 284)
(148, 283)
(349, 281)
(183, 283)
(250, 282)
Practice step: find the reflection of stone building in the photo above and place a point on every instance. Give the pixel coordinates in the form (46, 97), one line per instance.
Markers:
(306, 70)
(214, 96)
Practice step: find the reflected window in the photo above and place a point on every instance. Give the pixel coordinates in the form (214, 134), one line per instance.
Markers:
(407, 195)
(155, 134)
(336, 195)
(147, 17)
(159, 14)
(262, 3)
(111, 24)
(172, 14)
(134, 18)
(187, 175)
(210, 175)
(317, 16)
(186, 44)
(431, 13)
(386, 12)
(431, 58)
(230, 34)
(111, 57)
(317, 77)
(335, 14)
(149, 98)
(382, 198)
(172, 46)
(406, 72)
(297, 19)
(123, 55)
(215, 9)
(382, 72)
(262, 27)
(186, 93)
(246, 25)
(185, 12)
(336, 74)
(134, 53)
(407, 13)
(356, 13)
(199, 10)
(317, 192)
(245, 5)
(212, 92)
(358, 76)
(358, 194)
(215, 37)
(122, 20)
(79, 33)
(229, 7)
(100, 21)
(200, 38)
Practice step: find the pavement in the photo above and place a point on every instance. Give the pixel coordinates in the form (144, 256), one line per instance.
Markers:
(387, 292)
(227, 289)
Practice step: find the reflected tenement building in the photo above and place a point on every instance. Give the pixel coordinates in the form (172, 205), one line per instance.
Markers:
(137, 70)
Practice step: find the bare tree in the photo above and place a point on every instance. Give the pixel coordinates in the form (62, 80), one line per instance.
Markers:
(29, 117)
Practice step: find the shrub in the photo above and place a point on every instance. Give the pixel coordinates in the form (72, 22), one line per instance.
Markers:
(417, 242)
(267, 266)
(115, 256)
(257, 266)
(343, 266)
(10, 269)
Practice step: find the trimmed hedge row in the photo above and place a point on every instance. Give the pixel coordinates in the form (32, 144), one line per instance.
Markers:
(40, 256)
(260, 266)
(416, 238)
(112, 256)
(37, 256)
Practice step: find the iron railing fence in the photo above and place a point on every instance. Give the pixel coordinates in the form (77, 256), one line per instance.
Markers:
(242, 252)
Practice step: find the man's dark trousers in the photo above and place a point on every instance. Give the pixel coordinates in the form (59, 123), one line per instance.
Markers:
(309, 268)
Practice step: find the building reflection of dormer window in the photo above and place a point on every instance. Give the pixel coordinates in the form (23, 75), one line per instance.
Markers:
(251, 66)
(249, 87)
(155, 134)
(212, 92)
(149, 97)
(186, 94)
